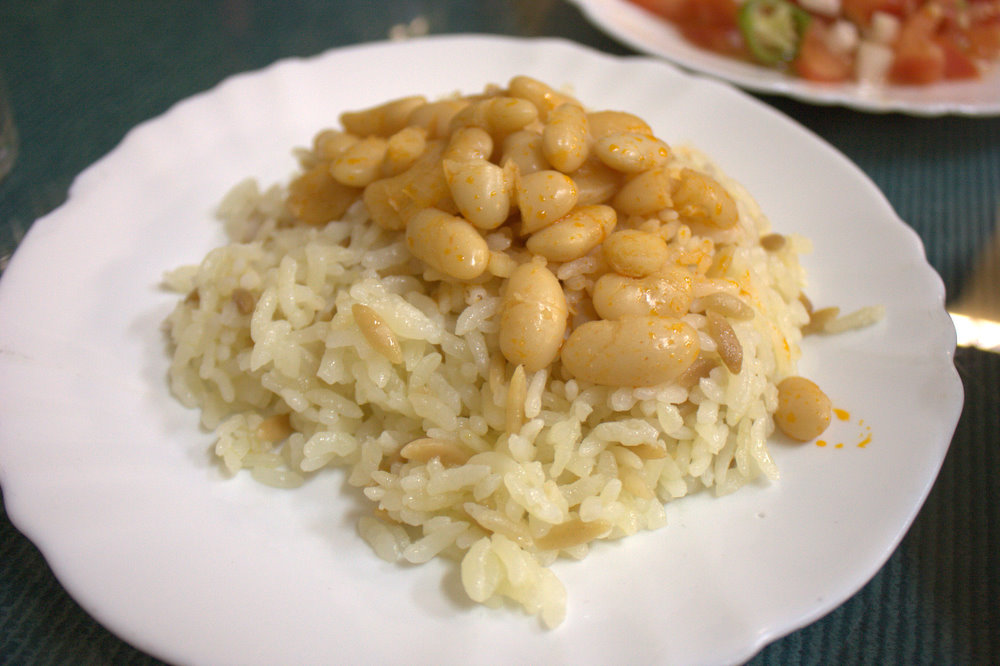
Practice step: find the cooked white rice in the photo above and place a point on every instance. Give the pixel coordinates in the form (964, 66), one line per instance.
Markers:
(293, 387)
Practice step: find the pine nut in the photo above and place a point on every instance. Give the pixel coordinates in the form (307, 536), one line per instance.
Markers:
(727, 344)
(517, 391)
(728, 305)
(427, 448)
(573, 532)
(377, 332)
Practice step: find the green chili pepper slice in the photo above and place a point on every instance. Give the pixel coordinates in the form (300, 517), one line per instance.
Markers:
(772, 29)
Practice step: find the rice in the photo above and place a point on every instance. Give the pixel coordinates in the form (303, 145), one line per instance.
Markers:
(516, 476)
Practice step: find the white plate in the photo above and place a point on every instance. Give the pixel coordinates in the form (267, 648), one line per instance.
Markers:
(648, 33)
(113, 480)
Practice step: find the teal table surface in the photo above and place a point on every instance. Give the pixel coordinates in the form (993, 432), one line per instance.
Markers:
(81, 74)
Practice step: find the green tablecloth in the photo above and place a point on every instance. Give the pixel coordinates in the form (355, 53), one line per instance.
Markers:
(81, 74)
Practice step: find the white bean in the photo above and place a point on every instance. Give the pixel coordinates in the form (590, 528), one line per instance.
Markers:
(447, 243)
(803, 409)
(424, 183)
(631, 152)
(543, 197)
(501, 264)
(596, 182)
(331, 144)
(667, 293)
(633, 351)
(635, 253)
(402, 150)
(383, 120)
(564, 138)
(575, 234)
(436, 117)
(469, 143)
(394, 200)
(383, 199)
(699, 198)
(360, 164)
(603, 123)
(524, 148)
(316, 198)
(543, 97)
(533, 317)
(645, 193)
(480, 190)
(497, 115)
(509, 114)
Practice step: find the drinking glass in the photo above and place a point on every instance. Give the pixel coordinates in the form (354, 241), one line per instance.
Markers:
(8, 134)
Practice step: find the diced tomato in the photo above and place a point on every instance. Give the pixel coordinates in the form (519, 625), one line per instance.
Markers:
(984, 10)
(672, 10)
(920, 59)
(724, 39)
(816, 62)
(693, 11)
(860, 11)
(918, 66)
(720, 12)
(938, 39)
(984, 32)
(984, 39)
(957, 62)
(710, 24)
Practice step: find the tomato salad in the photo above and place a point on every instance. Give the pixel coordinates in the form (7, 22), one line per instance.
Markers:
(910, 42)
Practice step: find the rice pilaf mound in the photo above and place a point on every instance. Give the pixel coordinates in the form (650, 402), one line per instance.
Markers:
(474, 345)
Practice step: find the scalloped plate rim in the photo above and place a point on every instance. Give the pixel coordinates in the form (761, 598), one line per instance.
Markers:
(620, 19)
(39, 529)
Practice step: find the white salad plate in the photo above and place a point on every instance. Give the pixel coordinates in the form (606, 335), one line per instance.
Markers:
(115, 482)
(646, 32)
